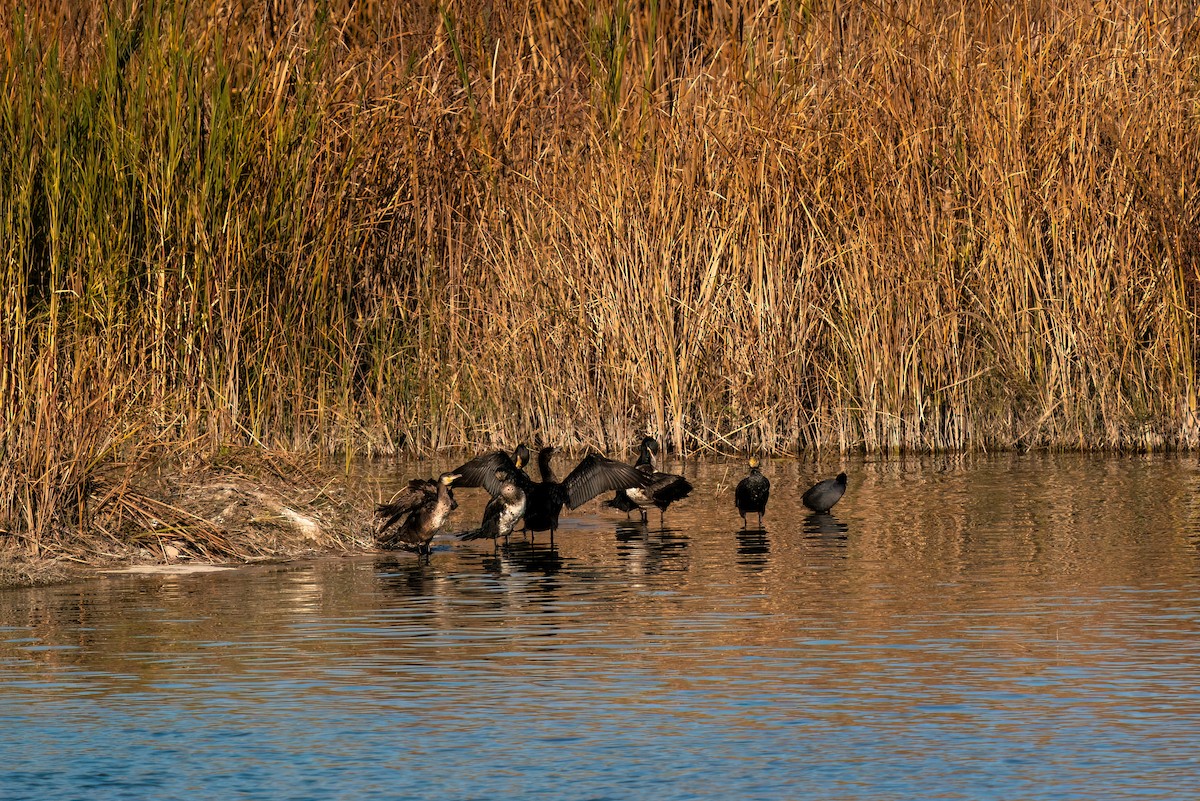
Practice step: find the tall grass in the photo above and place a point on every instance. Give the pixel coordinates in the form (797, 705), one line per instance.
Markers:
(356, 227)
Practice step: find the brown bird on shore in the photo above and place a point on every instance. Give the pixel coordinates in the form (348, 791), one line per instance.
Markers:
(824, 494)
(661, 489)
(427, 503)
(752, 493)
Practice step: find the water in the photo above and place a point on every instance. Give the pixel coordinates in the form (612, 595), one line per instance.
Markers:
(989, 628)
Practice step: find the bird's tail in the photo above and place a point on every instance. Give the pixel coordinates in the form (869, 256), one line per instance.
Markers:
(675, 491)
(476, 534)
(621, 502)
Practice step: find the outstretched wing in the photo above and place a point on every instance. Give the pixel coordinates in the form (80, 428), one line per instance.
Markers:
(597, 474)
(481, 471)
(418, 491)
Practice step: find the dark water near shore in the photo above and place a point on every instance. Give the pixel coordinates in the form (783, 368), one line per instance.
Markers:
(988, 628)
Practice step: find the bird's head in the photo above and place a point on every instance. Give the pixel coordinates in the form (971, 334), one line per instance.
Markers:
(521, 455)
(447, 479)
(754, 462)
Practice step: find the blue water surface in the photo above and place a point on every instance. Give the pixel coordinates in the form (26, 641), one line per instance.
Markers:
(957, 629)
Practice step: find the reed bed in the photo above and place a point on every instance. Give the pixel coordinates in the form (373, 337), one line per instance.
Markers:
(355, 228)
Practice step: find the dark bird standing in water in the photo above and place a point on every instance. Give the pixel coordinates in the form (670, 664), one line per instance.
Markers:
(824, 494)
(661, 490)
(427, 502)
(593, 475)
(504, 509)
(622, 503)
(752, 493)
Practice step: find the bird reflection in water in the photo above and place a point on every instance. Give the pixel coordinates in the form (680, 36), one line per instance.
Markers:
(822, 528)
(405, 577)
(646, 552)
(531, 557)
(754, 547)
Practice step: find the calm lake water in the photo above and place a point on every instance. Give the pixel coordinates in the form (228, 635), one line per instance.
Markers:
(968, 628)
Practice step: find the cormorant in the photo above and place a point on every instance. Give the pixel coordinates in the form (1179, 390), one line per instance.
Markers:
(593, 475)
(503, 510)
(545, 499)
(427, 502)
(824, 494)
(661, 490)
(752, 493)
(622, 503)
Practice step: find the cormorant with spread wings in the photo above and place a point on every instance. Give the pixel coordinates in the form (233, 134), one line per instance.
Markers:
(545, 499)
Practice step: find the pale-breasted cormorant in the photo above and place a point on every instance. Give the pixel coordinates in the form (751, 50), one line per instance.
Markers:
(661, 490)
(481, 471)
(504, 509)
(427, 502)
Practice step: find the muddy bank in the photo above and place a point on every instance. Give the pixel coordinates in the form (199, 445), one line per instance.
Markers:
(238, 507)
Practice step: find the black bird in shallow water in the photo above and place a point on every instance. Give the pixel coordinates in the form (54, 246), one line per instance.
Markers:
(752, 493)
(824, 494)
(427, 502)
(661, 489)
(593, 475)
(622, 503)
(504, 509)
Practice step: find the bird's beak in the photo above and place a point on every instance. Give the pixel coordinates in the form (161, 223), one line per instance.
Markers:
(450, 479)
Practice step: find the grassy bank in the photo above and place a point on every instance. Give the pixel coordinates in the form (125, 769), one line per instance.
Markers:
(346, 229)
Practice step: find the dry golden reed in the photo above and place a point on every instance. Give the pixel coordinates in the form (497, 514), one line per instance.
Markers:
(353, 227)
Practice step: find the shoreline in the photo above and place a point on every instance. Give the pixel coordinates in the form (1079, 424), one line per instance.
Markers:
(247, 507)
(239, 508)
